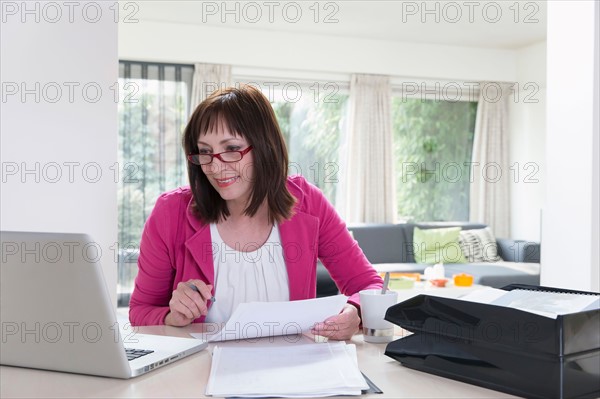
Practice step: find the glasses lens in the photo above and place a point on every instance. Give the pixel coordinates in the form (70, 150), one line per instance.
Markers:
(200, 159)
(231, 156)
(204, 159)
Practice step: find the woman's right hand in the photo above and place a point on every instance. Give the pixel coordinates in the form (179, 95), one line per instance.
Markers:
(186, 304)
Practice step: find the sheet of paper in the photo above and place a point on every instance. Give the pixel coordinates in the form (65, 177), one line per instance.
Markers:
(483, 295)
(549, 304)
(290, 370)
(544, 303)
(268, 319)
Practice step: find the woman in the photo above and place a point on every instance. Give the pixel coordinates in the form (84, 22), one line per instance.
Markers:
(243, 231)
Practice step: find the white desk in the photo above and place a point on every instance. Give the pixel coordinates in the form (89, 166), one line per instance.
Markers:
(188, 377)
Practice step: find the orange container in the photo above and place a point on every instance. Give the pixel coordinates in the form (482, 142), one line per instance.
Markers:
(463, 280)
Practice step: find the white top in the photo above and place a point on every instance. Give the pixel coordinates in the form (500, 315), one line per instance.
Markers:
(256, 276)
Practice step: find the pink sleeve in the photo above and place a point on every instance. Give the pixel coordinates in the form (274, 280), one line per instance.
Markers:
(154, 283)
(340, 253)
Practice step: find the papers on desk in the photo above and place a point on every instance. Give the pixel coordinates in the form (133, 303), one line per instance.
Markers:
(308, 370)
(544, 303)
(268, 319)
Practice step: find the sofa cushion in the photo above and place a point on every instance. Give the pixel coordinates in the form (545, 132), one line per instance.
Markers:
(518, 250)
(409, 228)
(479, 245)
(382, 243)
(437, 245)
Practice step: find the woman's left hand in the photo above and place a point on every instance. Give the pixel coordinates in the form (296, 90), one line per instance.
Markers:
(341, 326)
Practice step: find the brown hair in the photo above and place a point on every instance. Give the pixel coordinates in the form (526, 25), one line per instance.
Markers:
(246, 112)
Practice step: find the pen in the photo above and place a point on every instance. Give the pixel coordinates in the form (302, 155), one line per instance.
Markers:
(192, 286)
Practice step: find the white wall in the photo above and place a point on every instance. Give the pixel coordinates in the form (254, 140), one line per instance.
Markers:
(570, 215)
(308, 52)
(64, 140)
(527, 143)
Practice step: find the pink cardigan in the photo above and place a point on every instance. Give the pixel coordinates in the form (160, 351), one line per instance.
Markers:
(176, 246)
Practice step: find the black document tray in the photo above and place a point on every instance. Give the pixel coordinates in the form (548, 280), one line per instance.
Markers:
(501, 348)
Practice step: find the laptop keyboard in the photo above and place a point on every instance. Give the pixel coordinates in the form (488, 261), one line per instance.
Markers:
(136, 353)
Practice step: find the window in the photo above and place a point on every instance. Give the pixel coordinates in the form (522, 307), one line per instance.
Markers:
(313, 120)
(153, 110)
(433, 142)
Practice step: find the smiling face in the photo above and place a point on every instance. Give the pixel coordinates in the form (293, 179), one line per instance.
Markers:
(232, 180)
(233, 119)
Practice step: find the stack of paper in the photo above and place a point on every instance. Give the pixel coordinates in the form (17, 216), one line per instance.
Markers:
(543, 303)
(309, 370)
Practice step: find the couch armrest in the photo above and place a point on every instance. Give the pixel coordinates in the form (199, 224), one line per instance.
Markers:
(518, 250)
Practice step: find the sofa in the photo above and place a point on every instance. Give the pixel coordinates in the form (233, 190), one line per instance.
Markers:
(390, 247)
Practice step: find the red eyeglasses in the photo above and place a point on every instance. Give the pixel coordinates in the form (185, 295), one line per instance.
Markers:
(226, 156)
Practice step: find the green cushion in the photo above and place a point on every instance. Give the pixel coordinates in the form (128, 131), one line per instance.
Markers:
(437, 245)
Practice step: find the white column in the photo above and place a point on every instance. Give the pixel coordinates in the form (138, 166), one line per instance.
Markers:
(570, 215)
(59, 121)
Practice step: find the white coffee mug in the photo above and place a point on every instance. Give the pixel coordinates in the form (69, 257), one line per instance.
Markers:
(373, 305)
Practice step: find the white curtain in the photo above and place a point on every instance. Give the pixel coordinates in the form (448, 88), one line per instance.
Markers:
(208, 78)
(490, 184)
(367, 190)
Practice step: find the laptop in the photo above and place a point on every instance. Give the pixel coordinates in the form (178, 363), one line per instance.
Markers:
(56, 312)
